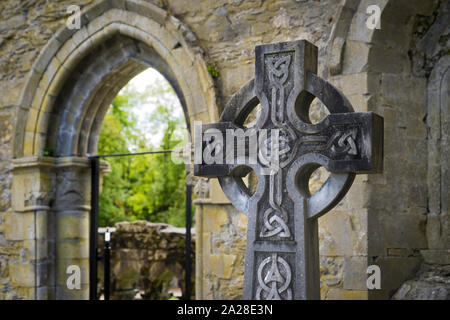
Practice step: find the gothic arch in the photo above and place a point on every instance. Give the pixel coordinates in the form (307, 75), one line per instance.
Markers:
(161, 41)
(373, 68)
(67, 93)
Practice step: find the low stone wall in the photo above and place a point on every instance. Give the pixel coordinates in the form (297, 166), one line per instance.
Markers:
(147, 260)
(432, 282)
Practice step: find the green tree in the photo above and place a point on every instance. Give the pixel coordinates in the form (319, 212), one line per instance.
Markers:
(115, 138)
(149, 187)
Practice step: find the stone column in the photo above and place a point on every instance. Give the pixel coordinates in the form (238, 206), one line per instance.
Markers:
(71, 211)
(29, 225)
(438, 120)
(49, 225)
(201, 191)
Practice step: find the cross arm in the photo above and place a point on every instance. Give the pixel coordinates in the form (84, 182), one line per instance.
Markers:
(221, 148)
(351, 142)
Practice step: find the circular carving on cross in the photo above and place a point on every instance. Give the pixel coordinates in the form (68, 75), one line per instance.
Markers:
(285, 146)
(273, 283)
(337, 184)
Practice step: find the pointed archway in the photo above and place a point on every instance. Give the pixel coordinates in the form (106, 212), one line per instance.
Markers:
(67, 94)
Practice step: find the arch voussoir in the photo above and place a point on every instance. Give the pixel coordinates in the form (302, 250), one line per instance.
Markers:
(62, 55)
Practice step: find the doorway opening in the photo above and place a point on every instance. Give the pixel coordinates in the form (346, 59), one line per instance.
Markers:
(144, 198)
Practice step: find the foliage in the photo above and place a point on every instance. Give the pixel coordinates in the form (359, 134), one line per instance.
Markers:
(213, 70)
(149, 187)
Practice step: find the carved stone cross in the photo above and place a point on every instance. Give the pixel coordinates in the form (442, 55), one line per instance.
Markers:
(282, 256)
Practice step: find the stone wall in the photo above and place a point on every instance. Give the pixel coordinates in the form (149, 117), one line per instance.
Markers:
(383, 219)
(145, 259)
(431, 283)
(391, 219)
(221, 238)
(430, 57)
(38, 53)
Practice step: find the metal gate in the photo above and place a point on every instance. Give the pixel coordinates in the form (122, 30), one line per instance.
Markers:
(93, 245)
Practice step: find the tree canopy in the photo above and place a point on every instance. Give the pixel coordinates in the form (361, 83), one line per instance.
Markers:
(149, 187)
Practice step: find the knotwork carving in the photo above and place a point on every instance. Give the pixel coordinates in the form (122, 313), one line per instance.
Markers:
(275, 218)
(346, 142)
(278, 74)
(277, 153)
(275, 223)
(274, 285)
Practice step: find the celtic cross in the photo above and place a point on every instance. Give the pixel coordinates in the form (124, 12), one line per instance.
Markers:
(282, 255)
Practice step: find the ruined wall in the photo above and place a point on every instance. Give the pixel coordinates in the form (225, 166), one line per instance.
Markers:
(235, 27)
(387, 219)
(227, 30)
(430, 283)
(401, 206)
(430, 57)
(372, 68)
(145, 258)
(220, 250)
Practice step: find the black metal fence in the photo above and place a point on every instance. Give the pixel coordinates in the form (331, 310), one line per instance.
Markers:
(93, 245)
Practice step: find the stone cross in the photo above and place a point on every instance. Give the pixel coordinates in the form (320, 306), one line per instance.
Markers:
(282, 254)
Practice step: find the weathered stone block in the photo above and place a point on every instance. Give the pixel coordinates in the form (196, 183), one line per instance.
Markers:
(339, 294)
(44, 293)
(436, 256)
(63, 293)
(75, 248)
(148, 9)
(394, 271)
(357, 84)
(215, 221)
(215, 192)
(404, 231)
(21, 293)
(46, 55)
(50, 72)
(430, 283)
(34, 249)
(31, 185)
(19, 226)
(338, 236)
(413, 91)
(222, 264)
(355, 275)
(96, 9)
(387, 60)
(355, 57)
(73, 224)
(22, 273)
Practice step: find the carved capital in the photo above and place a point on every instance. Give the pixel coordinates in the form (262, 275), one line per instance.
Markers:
(33, 183)
(73, 178)
(201, 187)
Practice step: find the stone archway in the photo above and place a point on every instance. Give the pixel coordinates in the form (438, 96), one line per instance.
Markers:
(386, 226)
(67, 94)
